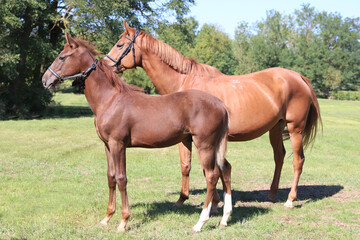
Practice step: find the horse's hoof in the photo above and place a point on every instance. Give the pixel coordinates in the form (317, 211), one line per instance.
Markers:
(222, 224)
(104, 222)
(179, 203)
(289, 204)
(121, 227)
(214, 211)
(197, 228)
(270, 199)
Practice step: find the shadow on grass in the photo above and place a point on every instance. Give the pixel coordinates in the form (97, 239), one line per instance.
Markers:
(55, 112)
(156, 209)
(240, 213)
(305, 192)
(67, 112)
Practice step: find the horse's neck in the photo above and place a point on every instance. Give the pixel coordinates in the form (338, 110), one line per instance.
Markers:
(165, 78)
(98, 91)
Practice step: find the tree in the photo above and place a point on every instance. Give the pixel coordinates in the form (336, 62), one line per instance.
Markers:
(213, 47)
(322, 46)
(179, 35)
(329, 50)
(340, 41)
(28, 41)
(31, 37)
(100, 21)
(270, 43)
(242, 48)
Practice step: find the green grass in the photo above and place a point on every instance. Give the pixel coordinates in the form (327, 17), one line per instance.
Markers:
(53, 184)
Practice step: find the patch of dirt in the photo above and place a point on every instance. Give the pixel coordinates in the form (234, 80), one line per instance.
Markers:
(346, 195)
(142, 179)
(329, 220)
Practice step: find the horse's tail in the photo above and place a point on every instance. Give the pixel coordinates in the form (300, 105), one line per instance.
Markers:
(313, 119)
(221, 148)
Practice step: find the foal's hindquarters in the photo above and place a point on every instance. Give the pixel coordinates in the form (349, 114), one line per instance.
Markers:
(139, 120)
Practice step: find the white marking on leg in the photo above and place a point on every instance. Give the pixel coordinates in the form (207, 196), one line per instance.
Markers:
(289, 204)
(204, 216)
(105, 221)
(122, 226)
(227, 209)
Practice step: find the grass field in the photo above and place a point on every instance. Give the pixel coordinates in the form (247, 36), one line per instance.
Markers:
(53, 184)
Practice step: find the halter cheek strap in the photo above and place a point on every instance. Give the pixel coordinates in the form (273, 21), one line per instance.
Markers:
(82, 75)
(126, 51)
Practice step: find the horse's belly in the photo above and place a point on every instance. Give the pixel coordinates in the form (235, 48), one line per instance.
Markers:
(251, 113)
(156, 136)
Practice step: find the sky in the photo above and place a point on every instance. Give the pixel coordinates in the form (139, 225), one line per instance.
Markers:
(226, 14)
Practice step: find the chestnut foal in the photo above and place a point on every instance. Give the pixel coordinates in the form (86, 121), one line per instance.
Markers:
(126, 117)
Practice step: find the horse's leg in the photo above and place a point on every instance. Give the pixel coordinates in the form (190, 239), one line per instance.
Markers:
(277, 144)
(216, 198)
(117, 151)
(185, 160)
(208, 163)
(112, 188)
(226, 180)
(295, 131)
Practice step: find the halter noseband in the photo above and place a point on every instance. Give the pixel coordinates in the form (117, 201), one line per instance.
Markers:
(126, 51)
(82, 75)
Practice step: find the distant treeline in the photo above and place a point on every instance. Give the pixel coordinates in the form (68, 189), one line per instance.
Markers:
(323, 46)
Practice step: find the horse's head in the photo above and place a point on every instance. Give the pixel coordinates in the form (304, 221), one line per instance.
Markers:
(125, 53)
(67, 64)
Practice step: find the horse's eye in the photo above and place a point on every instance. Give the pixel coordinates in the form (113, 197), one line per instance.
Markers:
(62, 58)
(120, 46)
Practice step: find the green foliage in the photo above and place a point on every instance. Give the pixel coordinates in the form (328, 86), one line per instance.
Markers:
(31, 37)
(346, 95)
(180, 36)
(139, 78)
(213, 47)
(322, 46)
(28, 41)
(101, 21)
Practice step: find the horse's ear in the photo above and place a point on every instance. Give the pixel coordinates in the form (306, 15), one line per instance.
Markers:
(127, 28)
(67, 37)
(71, 41)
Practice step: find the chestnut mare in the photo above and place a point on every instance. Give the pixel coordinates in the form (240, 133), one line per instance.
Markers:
(126, 117)
(258, 102)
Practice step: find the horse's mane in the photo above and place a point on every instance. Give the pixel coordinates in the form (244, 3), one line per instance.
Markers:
(115, 80)
(175, 59)
(111, 76)
(92, 48)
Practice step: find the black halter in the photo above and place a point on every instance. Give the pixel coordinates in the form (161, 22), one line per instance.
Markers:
(82, 75)
(126, 51)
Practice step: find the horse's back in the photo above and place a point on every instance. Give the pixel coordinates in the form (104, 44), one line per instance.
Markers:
(204, 111)
(160, 121)
(256, 101)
